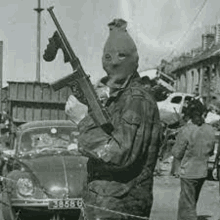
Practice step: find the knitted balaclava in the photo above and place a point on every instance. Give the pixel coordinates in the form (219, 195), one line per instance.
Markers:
(120, 57)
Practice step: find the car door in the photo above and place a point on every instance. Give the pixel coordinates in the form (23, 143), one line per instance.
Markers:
(171, 104)
(184, 103)
(175, 104)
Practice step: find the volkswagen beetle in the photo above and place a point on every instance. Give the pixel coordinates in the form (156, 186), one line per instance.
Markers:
(44, 175)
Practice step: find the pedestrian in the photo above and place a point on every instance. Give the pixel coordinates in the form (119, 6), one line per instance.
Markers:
(193, 147)
(121, 164)
(197, 95)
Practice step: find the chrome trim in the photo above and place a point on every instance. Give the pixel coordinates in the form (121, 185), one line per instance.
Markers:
(65, 177)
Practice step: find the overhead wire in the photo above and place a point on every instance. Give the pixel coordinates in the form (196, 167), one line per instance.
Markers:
(188, 30)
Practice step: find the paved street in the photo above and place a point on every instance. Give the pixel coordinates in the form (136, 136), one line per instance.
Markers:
(166, 195)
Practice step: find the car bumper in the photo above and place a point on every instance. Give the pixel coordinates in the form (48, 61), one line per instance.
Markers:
(52, 204)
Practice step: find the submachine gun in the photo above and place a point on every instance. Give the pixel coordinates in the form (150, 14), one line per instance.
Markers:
(79, 81)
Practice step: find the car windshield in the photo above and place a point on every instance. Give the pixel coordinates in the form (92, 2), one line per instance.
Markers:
(38, 139)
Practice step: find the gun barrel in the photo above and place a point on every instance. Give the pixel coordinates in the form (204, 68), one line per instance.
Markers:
(50, 8)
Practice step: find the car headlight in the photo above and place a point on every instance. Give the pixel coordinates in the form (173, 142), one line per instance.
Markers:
(25, 187)
(215, 174)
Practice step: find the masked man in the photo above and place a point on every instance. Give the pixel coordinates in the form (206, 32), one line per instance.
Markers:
(121, 164)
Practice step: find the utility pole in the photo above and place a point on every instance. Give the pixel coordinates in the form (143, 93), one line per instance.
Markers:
(38, 10)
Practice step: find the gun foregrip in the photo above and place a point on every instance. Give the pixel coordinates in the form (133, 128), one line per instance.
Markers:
(50, 54)
(52, 48)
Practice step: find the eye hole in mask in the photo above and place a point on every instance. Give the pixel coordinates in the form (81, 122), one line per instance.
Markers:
(121, 56)
(108, 57)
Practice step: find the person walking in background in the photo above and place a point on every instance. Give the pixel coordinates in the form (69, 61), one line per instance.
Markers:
(193, 147)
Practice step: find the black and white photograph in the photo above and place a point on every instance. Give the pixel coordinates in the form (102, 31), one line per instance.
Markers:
(110, 110)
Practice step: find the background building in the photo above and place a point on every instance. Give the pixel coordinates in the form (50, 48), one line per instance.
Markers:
(201, 68)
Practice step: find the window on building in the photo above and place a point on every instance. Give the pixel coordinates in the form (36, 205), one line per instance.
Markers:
(176, 99)
(192, 82)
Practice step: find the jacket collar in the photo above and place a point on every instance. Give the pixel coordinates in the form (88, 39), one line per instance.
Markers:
(119, 86)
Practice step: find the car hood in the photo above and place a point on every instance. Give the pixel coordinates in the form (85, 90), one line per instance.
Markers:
(60, 176)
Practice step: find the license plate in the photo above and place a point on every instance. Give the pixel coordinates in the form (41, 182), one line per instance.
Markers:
(66, 204)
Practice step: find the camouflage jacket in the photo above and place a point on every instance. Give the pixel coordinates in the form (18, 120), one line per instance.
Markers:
(134, 143)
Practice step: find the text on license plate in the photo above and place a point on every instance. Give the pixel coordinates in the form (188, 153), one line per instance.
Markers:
(66, 204)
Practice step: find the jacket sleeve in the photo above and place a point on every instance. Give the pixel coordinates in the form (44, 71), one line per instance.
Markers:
(156, 141)
(179, 147)
(125, 143)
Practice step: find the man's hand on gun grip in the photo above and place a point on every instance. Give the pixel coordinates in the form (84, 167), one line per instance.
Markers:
(75, 110)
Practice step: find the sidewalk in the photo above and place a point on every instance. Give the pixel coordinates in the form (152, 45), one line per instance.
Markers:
(166, 196)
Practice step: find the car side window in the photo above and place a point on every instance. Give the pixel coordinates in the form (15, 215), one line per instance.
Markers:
(176, 100)
(188, 98)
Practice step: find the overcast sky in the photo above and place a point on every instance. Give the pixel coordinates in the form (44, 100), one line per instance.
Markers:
(157, 26)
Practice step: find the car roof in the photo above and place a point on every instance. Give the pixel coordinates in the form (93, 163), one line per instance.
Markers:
(35, 124)
(181, 94)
